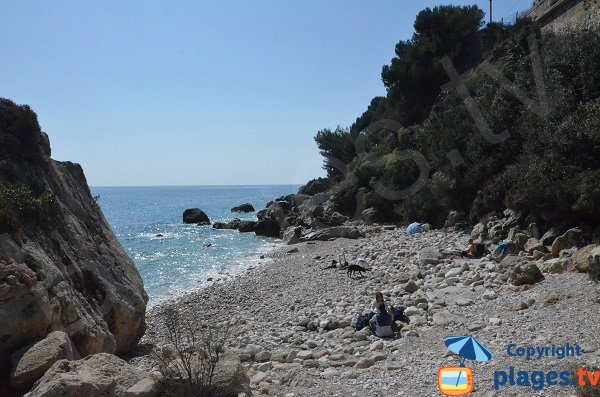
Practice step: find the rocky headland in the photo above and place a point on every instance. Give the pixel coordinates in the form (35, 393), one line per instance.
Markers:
(67, 287)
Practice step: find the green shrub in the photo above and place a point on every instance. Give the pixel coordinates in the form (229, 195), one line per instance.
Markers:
(549, 167)
(18, 206)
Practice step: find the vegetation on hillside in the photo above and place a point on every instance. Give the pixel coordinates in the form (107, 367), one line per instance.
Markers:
(548, 163)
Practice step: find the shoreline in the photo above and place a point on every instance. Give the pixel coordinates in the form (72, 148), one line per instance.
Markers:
(301, 318)
(239, 267)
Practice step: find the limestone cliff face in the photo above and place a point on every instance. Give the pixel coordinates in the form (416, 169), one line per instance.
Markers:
(565, 15)
(61, 267)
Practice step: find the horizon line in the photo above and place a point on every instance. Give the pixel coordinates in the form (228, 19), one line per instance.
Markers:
(230, 185)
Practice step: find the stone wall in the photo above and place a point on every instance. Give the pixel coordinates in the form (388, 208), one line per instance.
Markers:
(564, 15)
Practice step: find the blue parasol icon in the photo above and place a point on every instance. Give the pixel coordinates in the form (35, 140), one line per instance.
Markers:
(468, 348)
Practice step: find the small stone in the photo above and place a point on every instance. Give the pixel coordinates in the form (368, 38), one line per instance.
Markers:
(464, 302)
(364, 363)
(411, 287)
(376, 346)
(305, 355)
(518, 306)
(262, 356)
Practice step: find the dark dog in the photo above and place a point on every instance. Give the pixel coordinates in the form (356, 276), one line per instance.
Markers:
(352, 269)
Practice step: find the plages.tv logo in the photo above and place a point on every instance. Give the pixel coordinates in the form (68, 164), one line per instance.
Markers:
(458, 380)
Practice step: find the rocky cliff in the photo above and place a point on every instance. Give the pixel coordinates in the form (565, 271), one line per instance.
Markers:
(564, 15)
(61, 267)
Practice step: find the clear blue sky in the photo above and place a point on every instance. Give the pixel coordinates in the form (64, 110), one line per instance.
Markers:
(198, 92)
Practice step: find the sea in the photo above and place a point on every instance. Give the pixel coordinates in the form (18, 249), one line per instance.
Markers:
(174, 258)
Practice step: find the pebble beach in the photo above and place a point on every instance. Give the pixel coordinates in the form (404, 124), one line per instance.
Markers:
(293, 322)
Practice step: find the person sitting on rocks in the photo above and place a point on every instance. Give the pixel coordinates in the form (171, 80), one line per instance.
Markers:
(381, 324)
(375, 306)
(473, 250)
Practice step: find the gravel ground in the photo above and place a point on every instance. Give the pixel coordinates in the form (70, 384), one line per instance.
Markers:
(295, 322)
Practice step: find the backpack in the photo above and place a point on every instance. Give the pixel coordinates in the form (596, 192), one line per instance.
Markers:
(361, 322)
(400, 316)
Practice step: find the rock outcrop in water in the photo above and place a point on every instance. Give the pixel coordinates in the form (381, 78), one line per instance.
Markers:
(61, 267)
(195, 215)
(243, 208)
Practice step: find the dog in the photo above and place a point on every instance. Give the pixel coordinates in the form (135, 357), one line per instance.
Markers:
(352, 269)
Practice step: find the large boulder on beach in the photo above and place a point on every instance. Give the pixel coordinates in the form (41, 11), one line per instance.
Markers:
(99, 375)
(525, 273)
(332, 233)
(268, 226)
(195, 215)
(243, 208)
(61, 266)
(581, 260)
(246, 226)
(370, 215)
(571, 238)
(270, 220)
(292, 235)
(31, 362)
(550, 235)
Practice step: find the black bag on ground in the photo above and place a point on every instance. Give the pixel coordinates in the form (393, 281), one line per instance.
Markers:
(400, 316)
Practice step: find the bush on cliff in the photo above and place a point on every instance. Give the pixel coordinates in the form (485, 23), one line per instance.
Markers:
(18, 205)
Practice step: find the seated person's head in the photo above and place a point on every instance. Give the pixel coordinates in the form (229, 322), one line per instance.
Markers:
(381, 307)
(379, 297)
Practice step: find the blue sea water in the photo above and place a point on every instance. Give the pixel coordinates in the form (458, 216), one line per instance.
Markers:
(180, 261)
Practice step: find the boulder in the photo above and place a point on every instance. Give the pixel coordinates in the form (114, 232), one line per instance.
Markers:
(247, 207)
(230, 378)
(317, 211)
(580, 259)
(233, 225)
(571, 238)
(594, 258)
(195, 215)
(246, 226)
(479, 232)
(454, 218)
(519, 240)
(556, 265)
(270, 220)
(337, 219)
(430, 256)
(292, 235)
(527, 273)
(315, 186)
(98, 375)
(31, 362)
(370, 215)
(332, 233)
(534, 244)
(268, 227)
(550, 235)
(509, 263)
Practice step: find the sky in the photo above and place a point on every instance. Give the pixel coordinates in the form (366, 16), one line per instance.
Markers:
(158, 93)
